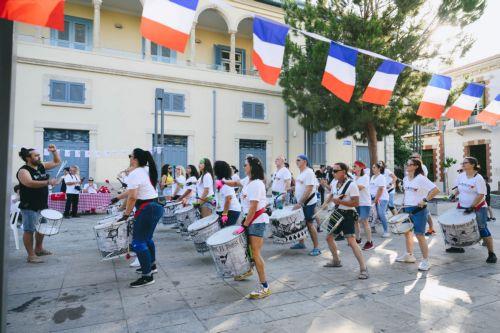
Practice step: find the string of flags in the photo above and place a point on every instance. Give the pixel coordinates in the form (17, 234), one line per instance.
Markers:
(80, 153)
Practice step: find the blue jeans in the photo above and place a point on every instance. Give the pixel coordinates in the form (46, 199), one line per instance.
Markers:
(381, 209)
(481, 219)
(391, 199)
(30, 219)
(142, 243)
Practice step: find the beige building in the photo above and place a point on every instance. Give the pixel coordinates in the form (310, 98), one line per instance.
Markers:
(92, 90)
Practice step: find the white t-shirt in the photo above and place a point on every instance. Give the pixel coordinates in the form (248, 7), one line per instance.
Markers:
(306, 178)
(244, 181)
(191, 185)
(469, 188)
(182, 181)
(416, 189)
(235, 177)
(221, 195)
(352, 191)
(424, 168)
(388, 178)
(279, 180)
(364, 194)
(205, 182)
(375, 183)
(139, 179)
(90, 189)
(255, 191)
(70, 189)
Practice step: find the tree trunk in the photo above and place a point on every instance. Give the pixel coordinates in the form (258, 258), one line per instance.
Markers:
(371, 134)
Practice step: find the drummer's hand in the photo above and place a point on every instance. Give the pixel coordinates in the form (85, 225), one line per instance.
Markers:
(336, 201)
(224, 219)
(297, 206)
(114, 200)
(422, 204)
(53, 182)
(123, 218)
(52, 148)
(239, 231)
(469, 210)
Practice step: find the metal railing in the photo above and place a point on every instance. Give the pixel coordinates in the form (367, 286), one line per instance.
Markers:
(471, 121)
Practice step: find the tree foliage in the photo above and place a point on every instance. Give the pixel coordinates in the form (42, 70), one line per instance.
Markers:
(398, 29)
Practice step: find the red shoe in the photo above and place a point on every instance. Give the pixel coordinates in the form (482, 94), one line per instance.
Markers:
(368, 246)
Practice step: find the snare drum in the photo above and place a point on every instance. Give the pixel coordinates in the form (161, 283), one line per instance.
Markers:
(186, 216)
(202, 229)
(170, 210)
(113, 238)
(459, 229)
(288, 225)
(49, 223)
(229, 252)
(400, 224)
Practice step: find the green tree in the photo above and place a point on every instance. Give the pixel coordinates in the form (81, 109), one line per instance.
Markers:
(398, 29)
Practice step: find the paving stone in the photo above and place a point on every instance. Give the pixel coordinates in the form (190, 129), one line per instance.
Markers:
(161, 320)
(236, 321)
(119, 326)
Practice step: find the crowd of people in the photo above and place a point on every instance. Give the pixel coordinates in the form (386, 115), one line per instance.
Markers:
(353, 191)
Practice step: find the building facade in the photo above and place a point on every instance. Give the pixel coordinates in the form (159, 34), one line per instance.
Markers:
(92, 91)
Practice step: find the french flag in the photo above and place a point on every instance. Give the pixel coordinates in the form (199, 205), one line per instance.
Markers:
(268, 48)
(168, 22)
(491, 114)
(435, 97)
(46, 13)
(382, 84)
(340, 71)
(465, 104)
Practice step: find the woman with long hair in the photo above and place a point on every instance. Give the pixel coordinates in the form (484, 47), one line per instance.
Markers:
(228, 206)
(167, 181)
(205, 188)
(379, 194)
(141, 194)
(363, 182)
(179, 186)
(418, 190)
(189, 195)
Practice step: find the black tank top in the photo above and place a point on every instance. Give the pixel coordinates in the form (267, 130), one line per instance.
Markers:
(34, 198)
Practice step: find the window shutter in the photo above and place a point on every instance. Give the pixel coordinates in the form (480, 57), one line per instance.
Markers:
(76, 93)
(217, 51)
(259, 111)
(247, 110)
(178, 103)
(167, 102)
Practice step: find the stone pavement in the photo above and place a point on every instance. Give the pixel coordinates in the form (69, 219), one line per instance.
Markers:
(74, 291)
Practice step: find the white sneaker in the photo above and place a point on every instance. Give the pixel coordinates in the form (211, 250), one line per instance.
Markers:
(135, 263)
(386, 235)
(424, 265)
(408, 258)
(261, 292)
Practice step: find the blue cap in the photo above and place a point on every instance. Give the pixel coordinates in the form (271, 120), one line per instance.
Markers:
(303, 157)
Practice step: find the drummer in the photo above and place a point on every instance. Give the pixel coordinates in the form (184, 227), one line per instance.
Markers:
(418, 190)
(345, 195)
(205, 188)
(179, 186)
(363, 182)
(189, 195)
(228, 206)
(471, 191)
(281, 180)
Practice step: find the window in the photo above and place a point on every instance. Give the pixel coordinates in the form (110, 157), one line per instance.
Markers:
(253, 111)
(174, 102)
(223, 59)
(160, 53)
(481, 104)
(316, 147)
(77, 34)
(67, 92)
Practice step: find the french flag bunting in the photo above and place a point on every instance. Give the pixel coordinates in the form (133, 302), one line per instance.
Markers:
(465, 104)
(340, 71)
(382, 84)
(268, 48)
(46, 13)
(491, 114)
(435, 97)
(168, 22)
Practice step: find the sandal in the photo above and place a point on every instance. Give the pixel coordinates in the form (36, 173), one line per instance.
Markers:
(43, 253)
(363, 275)
(333, 264)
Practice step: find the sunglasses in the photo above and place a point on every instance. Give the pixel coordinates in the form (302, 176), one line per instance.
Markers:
(336, 170)
(298, 160)
(130, 156)
(410, 164)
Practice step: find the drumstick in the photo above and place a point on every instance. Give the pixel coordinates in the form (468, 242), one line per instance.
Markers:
(63, 164)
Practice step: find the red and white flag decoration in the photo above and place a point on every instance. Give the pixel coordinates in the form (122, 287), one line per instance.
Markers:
(465, 104)
(435, 97)
(46, 13)
(491, 114)
(268, 48)
(382, 84)
(340, 71)
(168, 22)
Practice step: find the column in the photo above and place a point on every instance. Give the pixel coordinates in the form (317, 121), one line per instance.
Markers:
(192, 44)
(97, 23)
(147, 49)
(232, 56)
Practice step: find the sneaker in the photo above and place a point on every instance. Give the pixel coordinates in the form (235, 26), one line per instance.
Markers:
(261, 292)
(143, 281)
(298, 246)
(492, 258)
(424, 265)
(430, 232)
(135, 263)
(386, 234)
(319, 229)
(243, 276)
(154, 270)
(340, 237)
(368, 246)
(315, 252)
(358, 241)
(34, 260)
(408, 258)
(455, 250)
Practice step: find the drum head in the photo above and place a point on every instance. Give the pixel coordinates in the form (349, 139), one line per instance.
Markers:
(172, 203)
(399, 218)
(184, 209)
(455, 216)
(287, 211)
(107, 224)
(51, 214)
(223, 236)
(203, 223)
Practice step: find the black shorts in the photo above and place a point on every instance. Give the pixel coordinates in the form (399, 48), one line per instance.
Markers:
(347, 224)
(488, 199)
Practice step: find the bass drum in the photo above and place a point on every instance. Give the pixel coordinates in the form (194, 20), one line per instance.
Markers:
(459, 229)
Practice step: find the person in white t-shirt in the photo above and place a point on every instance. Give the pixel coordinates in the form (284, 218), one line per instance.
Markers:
(345, 196)
(471, 191)
(90, 187)
(281, 183)
(363, 182)
(179, 186)
(205, 188)
(253, 203)
(228, 206)
(390, 181)
(430, 231)
(379, 194)
(189, 195)
(73, 188)
(305, 193)
(142, 194)
(418, 190)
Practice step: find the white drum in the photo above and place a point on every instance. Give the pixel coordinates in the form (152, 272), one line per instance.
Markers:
(400, 224)
(50, 222)
(229, 252)
(288, 225)
(113, 209)
(170, 209)
(113, 238)
(185, 216)
(201, 229)
(459, 229)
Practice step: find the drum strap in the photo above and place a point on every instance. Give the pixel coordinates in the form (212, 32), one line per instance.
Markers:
(344, 189)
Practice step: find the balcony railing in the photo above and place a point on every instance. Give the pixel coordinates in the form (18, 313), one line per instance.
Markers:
(429, 128)
(471, 121)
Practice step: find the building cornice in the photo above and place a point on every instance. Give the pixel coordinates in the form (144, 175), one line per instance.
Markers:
(475, 68)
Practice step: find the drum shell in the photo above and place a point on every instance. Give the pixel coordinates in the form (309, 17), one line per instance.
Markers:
(186, 218)
(48, 226)
(288, 228)
(200, 236)
(459, 230)
(169, 213)
(113, 238)
(231, 257)
(400, 226)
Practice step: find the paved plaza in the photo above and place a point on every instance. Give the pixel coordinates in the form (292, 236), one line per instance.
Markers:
(74, 291)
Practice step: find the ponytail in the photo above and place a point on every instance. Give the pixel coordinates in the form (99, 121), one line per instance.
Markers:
(24, 153)
(145, 158)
